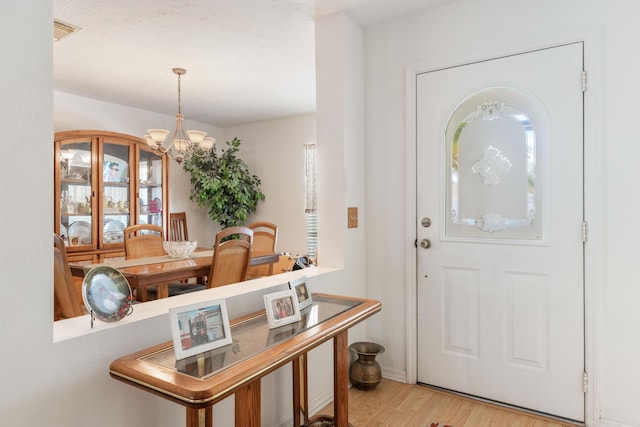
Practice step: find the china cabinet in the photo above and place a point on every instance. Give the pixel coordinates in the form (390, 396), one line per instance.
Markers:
(104, 182)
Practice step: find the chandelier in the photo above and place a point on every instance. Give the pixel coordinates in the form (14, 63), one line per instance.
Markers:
(185, 144)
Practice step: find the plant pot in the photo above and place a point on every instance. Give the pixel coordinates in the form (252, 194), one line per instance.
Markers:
(365, 372)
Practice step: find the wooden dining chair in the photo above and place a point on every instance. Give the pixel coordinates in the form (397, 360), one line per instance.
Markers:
(231, 256)
(179, 232)
(265, 239)
(66, 301)
(140, 241)
(178, 226)
(230, 261)
(143, 240)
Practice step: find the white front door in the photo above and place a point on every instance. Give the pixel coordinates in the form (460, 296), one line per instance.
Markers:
(500, 266)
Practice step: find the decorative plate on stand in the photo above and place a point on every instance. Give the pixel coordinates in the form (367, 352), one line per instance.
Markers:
(107, 294)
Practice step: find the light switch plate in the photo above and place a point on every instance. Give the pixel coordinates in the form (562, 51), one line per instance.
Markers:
(352, 217)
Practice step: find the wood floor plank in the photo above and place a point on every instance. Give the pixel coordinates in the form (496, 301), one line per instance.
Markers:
(406, 405)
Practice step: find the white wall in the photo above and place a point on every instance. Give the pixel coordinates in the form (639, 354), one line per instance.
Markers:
(468, 28)
(620, 346)
(274, 151)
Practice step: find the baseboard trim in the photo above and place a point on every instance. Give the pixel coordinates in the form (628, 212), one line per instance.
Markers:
(609, 423)
(320, 401)
(395, 375)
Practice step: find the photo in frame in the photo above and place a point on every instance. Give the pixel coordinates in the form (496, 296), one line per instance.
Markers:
(199, 327)
(299, 286)
(281, 308)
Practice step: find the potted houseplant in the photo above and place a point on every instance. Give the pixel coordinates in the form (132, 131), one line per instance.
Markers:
(223, 185)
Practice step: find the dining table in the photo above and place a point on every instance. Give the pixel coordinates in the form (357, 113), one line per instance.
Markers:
(160, 270)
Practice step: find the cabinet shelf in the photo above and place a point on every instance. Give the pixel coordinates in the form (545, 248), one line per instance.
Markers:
(71, 181)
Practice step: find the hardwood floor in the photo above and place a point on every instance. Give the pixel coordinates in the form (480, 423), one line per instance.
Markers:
(396, 404)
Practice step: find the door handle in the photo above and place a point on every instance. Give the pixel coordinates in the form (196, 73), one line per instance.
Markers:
(425, 243)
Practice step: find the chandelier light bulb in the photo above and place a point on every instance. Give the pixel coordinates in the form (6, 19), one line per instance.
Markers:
(207, 143)
(158, 135)
(150, 142)
(196, 136)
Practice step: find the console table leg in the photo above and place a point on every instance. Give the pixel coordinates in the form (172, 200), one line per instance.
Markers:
(193, 417)
(300, 391)
(296, 392)
(247, 405)
(341, 380)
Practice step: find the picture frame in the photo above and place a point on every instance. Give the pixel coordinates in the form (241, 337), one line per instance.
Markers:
(299, 286)
(199, 327)
(112, 169)
(281, 308)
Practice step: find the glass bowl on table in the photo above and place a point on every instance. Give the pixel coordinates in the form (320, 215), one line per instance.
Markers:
(179, 249)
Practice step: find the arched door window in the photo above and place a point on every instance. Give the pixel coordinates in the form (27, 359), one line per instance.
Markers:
(493, 174)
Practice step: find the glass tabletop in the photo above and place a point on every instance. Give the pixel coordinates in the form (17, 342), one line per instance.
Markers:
(250, 338)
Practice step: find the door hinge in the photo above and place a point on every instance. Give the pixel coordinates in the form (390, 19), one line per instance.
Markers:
(585, 381)
(585, 231)
(584, 81)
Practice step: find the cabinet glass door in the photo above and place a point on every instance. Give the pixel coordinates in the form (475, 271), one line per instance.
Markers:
(150, 190)
(116, 176)
(75, 193)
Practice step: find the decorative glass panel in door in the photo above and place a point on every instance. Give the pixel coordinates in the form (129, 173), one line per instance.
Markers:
(116, 176)
(75, 194)
(150, 191)
(494, 188)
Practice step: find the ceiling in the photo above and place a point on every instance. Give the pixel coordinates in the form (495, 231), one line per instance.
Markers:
(246, 60)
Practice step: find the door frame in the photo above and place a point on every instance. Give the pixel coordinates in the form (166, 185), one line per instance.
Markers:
(592, 38)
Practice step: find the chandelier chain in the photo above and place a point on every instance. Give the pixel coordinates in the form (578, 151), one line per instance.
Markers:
(179, 94)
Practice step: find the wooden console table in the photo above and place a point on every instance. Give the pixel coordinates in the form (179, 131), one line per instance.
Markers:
(200, 381)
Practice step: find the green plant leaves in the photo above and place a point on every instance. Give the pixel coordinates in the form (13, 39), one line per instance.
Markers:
(224, 186)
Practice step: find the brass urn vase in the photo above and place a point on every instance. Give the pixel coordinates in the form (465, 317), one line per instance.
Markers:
(364, 372)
